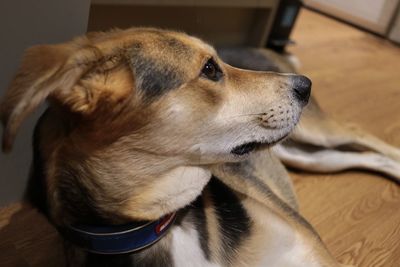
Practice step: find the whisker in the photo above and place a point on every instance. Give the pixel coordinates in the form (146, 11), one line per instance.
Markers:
(270, 116)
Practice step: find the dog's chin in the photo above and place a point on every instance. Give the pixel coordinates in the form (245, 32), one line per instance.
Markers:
(248, 147)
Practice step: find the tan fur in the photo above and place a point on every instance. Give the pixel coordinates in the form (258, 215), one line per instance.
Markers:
(105, 134)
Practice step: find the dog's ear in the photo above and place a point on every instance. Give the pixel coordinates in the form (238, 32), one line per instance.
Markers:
(50, 72)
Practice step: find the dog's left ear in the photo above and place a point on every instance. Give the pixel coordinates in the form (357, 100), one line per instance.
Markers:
(51, 72)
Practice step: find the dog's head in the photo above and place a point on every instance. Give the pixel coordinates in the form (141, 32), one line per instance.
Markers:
(136, 115)
(162, 92)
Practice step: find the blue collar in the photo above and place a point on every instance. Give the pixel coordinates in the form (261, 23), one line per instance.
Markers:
(119, 239)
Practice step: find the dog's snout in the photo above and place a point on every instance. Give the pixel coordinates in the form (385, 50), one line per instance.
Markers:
(301, 88)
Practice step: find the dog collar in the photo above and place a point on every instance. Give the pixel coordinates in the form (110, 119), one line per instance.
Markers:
(119, 239)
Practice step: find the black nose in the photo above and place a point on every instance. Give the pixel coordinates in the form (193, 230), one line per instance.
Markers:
(301, 88)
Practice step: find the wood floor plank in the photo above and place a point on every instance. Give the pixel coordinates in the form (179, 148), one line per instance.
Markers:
(356, 78)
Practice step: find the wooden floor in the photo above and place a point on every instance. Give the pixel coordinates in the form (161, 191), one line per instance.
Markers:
(356, 77)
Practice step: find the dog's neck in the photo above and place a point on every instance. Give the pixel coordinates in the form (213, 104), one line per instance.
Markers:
(141, 188)
(111, 184)
(168, 192)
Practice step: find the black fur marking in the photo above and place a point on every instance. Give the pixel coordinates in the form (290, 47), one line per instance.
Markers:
(76, 200)
(155, 77)
(234, 222)
(36, 192)
(245, 170)
(154, 74)
(201, 225)
(96, 260)
(161, 257)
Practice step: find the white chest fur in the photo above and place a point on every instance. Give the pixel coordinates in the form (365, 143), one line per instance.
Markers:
(186, 250)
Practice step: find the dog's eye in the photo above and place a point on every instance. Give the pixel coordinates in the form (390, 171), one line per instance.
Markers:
(211, 70)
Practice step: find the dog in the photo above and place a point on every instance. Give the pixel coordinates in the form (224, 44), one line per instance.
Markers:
(154, 152)
(319, 143)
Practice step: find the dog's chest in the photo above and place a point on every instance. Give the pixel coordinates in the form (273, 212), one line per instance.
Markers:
(186, 249)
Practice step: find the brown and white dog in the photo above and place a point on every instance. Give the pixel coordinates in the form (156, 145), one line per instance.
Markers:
(143, 123)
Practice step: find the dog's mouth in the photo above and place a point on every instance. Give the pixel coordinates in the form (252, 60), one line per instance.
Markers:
(246, 148)
(251, 146)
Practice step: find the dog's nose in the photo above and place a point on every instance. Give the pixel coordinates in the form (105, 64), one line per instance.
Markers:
(301, 88)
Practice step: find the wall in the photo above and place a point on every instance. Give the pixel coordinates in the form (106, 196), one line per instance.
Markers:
(394, 34)
(240, 26)
(24, 23)
(374, 15)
